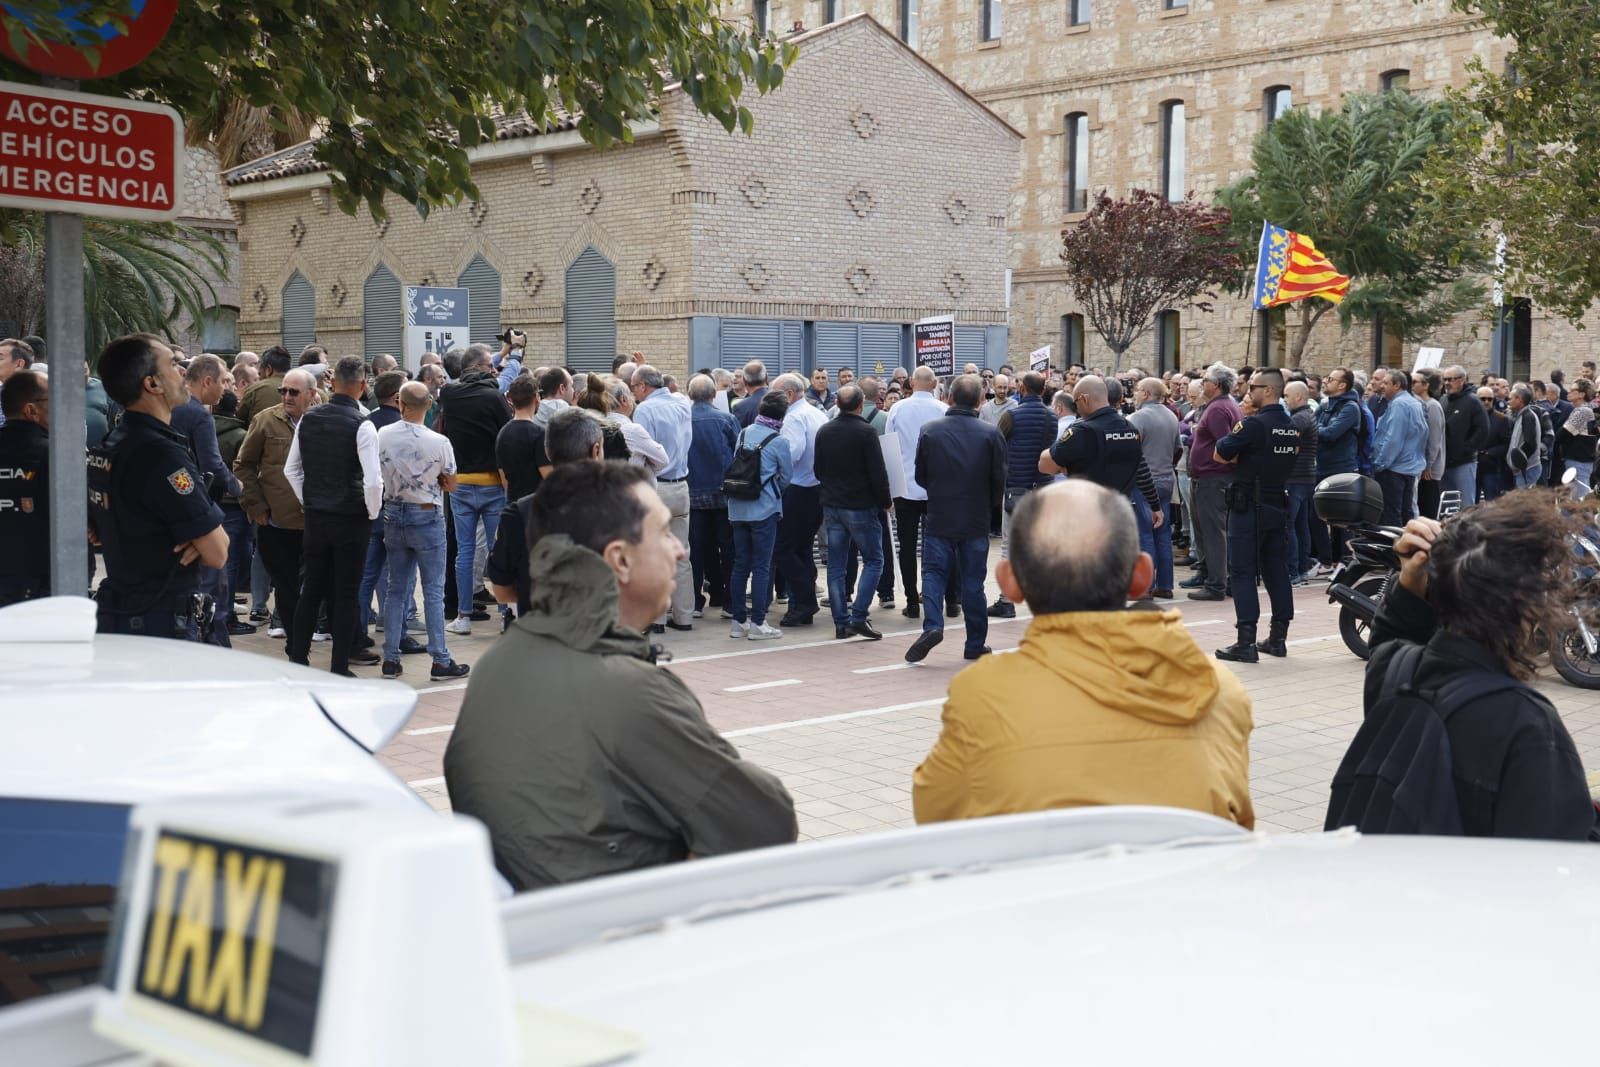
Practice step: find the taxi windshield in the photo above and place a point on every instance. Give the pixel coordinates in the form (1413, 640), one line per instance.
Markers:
(58, 882)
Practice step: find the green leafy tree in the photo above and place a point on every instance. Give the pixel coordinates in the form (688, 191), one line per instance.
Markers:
(137, 277)
(1350, 180)
(1530, 168)
(1128, 259)
(402, 90)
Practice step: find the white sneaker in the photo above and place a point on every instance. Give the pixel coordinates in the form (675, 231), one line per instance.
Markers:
(318, 635)
(459, 625)
(738, 630)
(763, 632)
(277, 631)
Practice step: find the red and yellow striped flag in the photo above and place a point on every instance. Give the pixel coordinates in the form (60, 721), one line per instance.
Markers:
(1289, 268)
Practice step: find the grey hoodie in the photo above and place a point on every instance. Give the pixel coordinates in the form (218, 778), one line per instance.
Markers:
(583, 757)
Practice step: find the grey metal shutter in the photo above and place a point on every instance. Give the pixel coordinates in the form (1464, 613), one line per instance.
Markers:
(299, 315)
(483, 306)
(880, 349)
(793, 359)
(591, 312)
(971, 347)
(838, 345)
(742, 340)
(383, 328)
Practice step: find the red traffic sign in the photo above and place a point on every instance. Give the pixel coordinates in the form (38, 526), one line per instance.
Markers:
(88, 155)
(117, 48)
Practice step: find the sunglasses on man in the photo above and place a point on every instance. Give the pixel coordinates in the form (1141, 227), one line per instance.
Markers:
(285, 391)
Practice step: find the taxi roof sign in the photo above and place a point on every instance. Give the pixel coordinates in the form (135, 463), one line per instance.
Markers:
(277, 930)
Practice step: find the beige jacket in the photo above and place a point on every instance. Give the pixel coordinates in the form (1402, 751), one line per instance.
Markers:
(259, 468)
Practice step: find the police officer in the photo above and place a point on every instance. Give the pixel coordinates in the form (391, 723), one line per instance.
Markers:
(1103, 447)
(148, 503)
(1263, 446)
(25, 488)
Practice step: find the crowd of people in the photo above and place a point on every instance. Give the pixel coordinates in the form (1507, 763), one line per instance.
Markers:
(327, 500)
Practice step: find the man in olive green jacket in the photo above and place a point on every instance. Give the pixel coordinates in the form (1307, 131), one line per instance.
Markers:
(580, 755)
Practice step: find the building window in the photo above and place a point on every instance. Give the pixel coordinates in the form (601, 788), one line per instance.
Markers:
(482, 283)
(1172, 150)
(989, 13)
(383, 319)
(1276, 102)
(219, 330)
(1071, 340)
(299, 323)
(1077, 162)
(1078, 12)
(830, 11)
(909, 10)
(1395, 81)
(1169, 342)
(760, 11)
(1176, 5)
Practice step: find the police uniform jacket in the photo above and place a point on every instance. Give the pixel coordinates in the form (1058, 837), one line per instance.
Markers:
(24, 510)
(1265, 445)
(151, 499)
(1106, 449)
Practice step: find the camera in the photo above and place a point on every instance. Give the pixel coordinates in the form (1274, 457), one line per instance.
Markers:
(514, 338)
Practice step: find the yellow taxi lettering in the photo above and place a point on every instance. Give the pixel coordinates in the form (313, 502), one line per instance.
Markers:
(191, 933)
(241, 889)
(172, 856)
(261, 955)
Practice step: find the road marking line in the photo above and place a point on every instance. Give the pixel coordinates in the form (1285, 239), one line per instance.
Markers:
(1311, 640)
(775, 727)
(430, 730)
(880, 670)
(761, 685)
(442, 688)
(425, 781)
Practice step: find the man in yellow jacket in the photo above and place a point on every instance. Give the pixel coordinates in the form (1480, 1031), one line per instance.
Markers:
(1099, 704)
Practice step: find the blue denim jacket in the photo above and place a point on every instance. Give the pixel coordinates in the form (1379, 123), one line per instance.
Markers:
(710, 451)
(777, 470)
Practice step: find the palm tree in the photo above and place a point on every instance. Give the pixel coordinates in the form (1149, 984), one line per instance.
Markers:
(137, 276)
(238, 131)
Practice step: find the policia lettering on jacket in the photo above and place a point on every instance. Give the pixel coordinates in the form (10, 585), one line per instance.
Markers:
(1263, 446)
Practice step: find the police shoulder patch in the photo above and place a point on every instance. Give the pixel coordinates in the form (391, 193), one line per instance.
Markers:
(1238, 426)
(181, 482)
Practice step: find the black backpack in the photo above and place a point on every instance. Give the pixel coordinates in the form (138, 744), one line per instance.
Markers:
(1398, 776)
(743, 479)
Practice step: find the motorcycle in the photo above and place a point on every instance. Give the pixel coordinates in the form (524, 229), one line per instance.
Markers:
(1575, 652)
(1361, 579)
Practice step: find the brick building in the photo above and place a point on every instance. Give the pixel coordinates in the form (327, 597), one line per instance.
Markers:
(1094, 82)
(874, 191)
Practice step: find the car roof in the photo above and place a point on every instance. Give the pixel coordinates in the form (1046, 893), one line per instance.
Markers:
(1289, 948)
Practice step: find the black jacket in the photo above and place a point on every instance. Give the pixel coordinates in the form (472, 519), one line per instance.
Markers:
(849, 464)
(1466, 427)
(471, 413)
(747, 409)
(1517, 772)
(1496, 442)
(962, 461)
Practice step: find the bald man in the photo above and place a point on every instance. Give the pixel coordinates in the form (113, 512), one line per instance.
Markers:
(419, 467)
(1147, 718)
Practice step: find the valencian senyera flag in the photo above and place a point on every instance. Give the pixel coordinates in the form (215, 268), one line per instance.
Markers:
(1290, 268)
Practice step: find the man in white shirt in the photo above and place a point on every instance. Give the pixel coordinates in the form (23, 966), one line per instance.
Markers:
(670, 423)
(802, 503)
(419, 467)
(647, 451)
(333, 470)
(906, 420)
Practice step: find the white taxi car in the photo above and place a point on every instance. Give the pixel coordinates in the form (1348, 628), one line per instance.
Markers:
(91, 725)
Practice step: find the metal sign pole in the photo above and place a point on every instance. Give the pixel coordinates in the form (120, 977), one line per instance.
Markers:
(64, 329)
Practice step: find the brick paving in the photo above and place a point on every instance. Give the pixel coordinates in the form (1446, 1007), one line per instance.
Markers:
(844, 723)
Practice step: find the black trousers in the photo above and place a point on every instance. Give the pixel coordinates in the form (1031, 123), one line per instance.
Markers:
(1397, 489)
(281, 552)
(792, 557)
(710, 555)
(336, 556)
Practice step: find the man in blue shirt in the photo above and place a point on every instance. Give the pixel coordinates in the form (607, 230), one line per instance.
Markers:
(716, 434)
(1399, 450)
(193, 420)
(802, 503)
(670, 424)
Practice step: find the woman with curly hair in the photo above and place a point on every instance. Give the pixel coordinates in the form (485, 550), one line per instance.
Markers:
(1481, 594)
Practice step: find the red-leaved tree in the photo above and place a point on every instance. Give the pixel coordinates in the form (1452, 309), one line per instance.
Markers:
(1129, 259)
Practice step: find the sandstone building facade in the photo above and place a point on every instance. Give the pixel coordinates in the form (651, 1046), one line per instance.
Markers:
(874, 191)
(1095, 82)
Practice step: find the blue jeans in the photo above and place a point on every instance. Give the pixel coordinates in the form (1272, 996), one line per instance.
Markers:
(241, 546)
(470, 505)
(940, 556)
(847, 528)
(752, 566)
(374, 576)
(1585, 470)
(1462, 478)
(1157, 543)
(1529, 477)
(1299, 530)
(413, 539)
